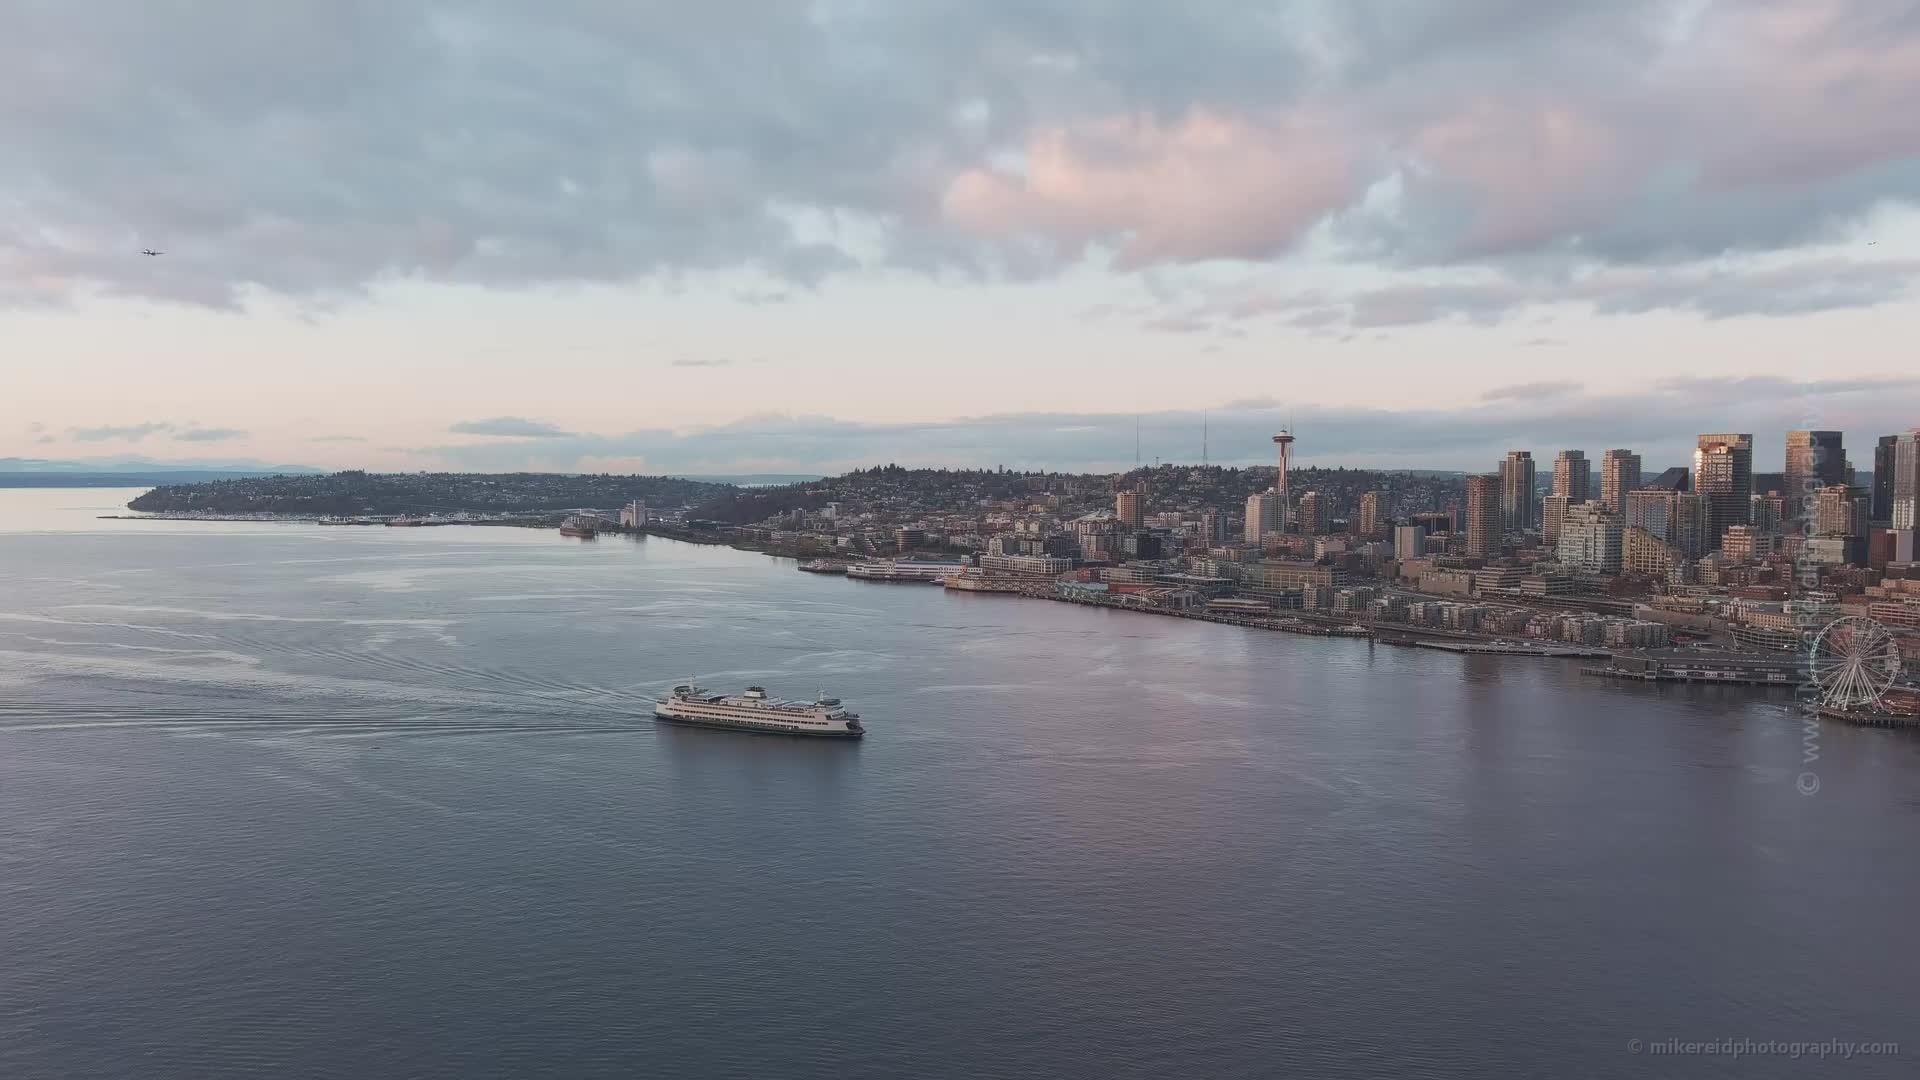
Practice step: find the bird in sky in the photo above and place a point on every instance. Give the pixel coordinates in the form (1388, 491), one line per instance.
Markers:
(150, 251)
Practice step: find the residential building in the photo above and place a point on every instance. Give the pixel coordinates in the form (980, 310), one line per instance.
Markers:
(1553, 514)
(1373, 518)
(1129, 507)
(1744, 543)
(1263, 515)
(1641, 552)
(1517, 487)
(1409, 542)
(1311, 513)
(1484, 501)
(1723, 475)
(1590, 539)
(1212, 527)
(1619, 474)
(1834, 512)
(1572, 476)
(1675, 518)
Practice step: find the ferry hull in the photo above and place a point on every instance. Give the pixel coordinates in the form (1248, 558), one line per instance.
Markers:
(749, 728)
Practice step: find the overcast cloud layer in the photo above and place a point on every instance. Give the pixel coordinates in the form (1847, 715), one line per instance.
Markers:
(312, 147)
(1658, 422)
(649, 233)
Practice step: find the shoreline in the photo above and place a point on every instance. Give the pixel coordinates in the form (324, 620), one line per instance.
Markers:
(1463, 643)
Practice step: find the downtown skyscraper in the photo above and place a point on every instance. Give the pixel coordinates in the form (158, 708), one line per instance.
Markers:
(1518, 510)
(1484, 515)
(1573, 476)
(1619, 475)
(1906, 480)
(1723, 476)
(1815, 459)
(1883, 464)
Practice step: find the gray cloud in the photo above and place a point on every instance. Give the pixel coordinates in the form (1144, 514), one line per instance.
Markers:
(210, 434)
(697, 362)
(138, 432)
(1659, 421)
(1710, 290)
(128, 432)
(510, 426)
(1543, 389)
(316, 147)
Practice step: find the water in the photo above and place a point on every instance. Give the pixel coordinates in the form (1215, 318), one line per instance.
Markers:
(302, 801)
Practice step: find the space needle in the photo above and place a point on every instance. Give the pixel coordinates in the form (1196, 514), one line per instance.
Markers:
(1284, 441)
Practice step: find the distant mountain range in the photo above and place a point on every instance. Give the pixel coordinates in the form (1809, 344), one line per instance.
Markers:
(147, 465)
(752, 479)
(133, 472)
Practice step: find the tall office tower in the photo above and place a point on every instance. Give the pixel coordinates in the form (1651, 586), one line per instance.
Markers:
(1771, 513)
(1311, 515)
(1284, 441)
(1815, 459)
(1483, 516)
(1516, 492)
(1263, 515)
(1723, 473)
(1373, 518)
(1883, 451)
(1127, 506)
(1573, 476)
(1553, 514)
(1905, 506)
(1675, 518)
(1590, 540)
(1619, 474)
(1409, 542)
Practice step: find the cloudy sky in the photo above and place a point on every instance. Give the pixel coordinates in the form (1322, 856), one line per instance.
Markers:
(789, 236)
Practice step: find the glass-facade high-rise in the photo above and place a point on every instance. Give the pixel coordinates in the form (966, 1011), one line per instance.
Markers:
(1519, 510)
(1723, 476)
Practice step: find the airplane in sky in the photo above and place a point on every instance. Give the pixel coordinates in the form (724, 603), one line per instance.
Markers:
(150, 251)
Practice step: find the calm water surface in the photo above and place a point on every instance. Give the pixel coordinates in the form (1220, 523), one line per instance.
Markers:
(335, 802)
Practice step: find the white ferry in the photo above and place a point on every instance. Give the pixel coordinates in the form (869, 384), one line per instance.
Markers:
(755, 711)
(904, 570)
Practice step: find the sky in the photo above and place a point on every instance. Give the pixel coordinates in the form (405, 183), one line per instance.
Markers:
(777, 236)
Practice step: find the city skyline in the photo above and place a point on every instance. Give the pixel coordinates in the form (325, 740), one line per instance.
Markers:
(1420, 237)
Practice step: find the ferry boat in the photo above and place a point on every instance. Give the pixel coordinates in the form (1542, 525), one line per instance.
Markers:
(824, 566)
(904, 570)
(582, 527)
(755, 711)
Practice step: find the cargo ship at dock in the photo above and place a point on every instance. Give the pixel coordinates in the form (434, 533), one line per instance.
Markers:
(753, 711)
(582, 527)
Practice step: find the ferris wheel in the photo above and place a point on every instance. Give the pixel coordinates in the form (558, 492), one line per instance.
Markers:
(1853, 660)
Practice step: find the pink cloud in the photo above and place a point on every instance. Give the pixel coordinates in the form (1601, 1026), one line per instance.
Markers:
(1207, 186)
